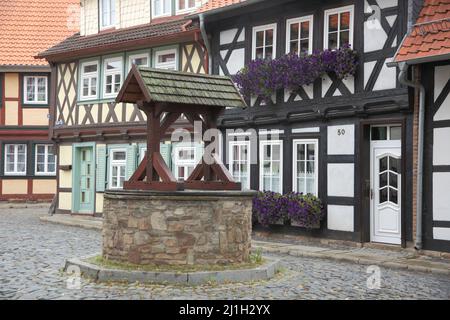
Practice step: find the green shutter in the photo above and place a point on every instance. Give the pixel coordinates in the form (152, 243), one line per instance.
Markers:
(101, 168)
(165, 150)
(131, 160)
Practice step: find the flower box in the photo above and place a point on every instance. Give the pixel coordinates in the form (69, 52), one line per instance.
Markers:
(263, 78)
(303, 210)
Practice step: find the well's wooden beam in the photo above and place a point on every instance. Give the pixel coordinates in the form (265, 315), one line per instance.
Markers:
(161, 168)
(168, 121)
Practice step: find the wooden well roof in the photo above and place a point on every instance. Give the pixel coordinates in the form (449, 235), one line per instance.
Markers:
(175, 87)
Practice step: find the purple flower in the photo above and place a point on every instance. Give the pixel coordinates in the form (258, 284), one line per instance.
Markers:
(305, 210)
(262, 78)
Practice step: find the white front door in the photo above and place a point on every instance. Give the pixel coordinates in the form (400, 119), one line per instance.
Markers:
(385, 213)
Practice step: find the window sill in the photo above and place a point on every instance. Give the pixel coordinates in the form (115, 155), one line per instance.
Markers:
(35, 105)
(95, 101)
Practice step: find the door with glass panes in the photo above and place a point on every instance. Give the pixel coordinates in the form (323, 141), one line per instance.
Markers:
(386, 178)
(84, 202)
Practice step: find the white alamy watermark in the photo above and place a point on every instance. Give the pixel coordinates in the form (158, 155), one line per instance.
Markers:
(374, 280)
(73, 281)
(374, 21)
(211, 138)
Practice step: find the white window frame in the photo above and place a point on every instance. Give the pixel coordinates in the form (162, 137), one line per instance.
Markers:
(15, 172)
(295, 143)
(164, 64)
(264, 28)
(177, 162)
(112, 18)
(164, 14)
(388, 131)
(299, 20)
(231, 160)
(45, 172)
(138, 56)
(112, 73)
(340, 10)
(25, 90)
(89, 76)
(185, 10)
(263, 143)
(118, 163)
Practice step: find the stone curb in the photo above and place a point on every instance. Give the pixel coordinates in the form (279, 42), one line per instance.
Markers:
(86, 224)
(97, 273)
(347, 257)
(24, 205)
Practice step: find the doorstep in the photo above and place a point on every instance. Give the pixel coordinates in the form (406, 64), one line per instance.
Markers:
(364, 256)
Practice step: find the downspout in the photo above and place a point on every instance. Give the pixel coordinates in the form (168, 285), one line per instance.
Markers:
(205, 40)
(403, 79)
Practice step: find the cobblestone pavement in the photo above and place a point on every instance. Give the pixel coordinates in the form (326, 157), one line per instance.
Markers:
(32, 254)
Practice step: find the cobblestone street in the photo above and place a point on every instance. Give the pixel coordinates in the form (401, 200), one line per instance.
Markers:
(32, 254)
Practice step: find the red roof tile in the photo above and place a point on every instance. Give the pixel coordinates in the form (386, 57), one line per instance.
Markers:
(216, 4)
(30, 26)
(430, 37)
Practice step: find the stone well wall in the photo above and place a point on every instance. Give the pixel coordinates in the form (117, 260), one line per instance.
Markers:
(177, 228)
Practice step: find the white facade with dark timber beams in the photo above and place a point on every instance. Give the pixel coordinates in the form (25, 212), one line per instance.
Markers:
(436, 209)
(348, 141)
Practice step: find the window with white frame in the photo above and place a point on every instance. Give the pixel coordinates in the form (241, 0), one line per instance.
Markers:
(15, 159)
(305, 166)
(117, 167)
(89, 80)
(185, 5)
(107, 13)
(271, 166)
(264, 42)
(161, 8)
(140, 60)
(184, 161)
(239, 162)
(112, 79)
(299, 35)
(166, 59)
(45, 159)
(338, 27)
(36, 89)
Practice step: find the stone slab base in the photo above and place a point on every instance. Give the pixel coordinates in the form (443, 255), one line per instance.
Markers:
(264, 272)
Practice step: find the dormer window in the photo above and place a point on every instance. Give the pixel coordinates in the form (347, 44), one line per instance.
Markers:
(107, 13)
(161, 8)
(185, 5)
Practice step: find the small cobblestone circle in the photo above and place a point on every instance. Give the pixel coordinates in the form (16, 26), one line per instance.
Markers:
(32, 254)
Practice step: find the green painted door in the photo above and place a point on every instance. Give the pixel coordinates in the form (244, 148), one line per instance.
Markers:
(86, 180)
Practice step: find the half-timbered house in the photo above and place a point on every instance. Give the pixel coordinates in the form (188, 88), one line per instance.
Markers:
(27, 157)
(426, 50)
(347, 141)
(99, 142)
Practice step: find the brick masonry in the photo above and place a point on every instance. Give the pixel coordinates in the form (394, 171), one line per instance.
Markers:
(180, 228)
